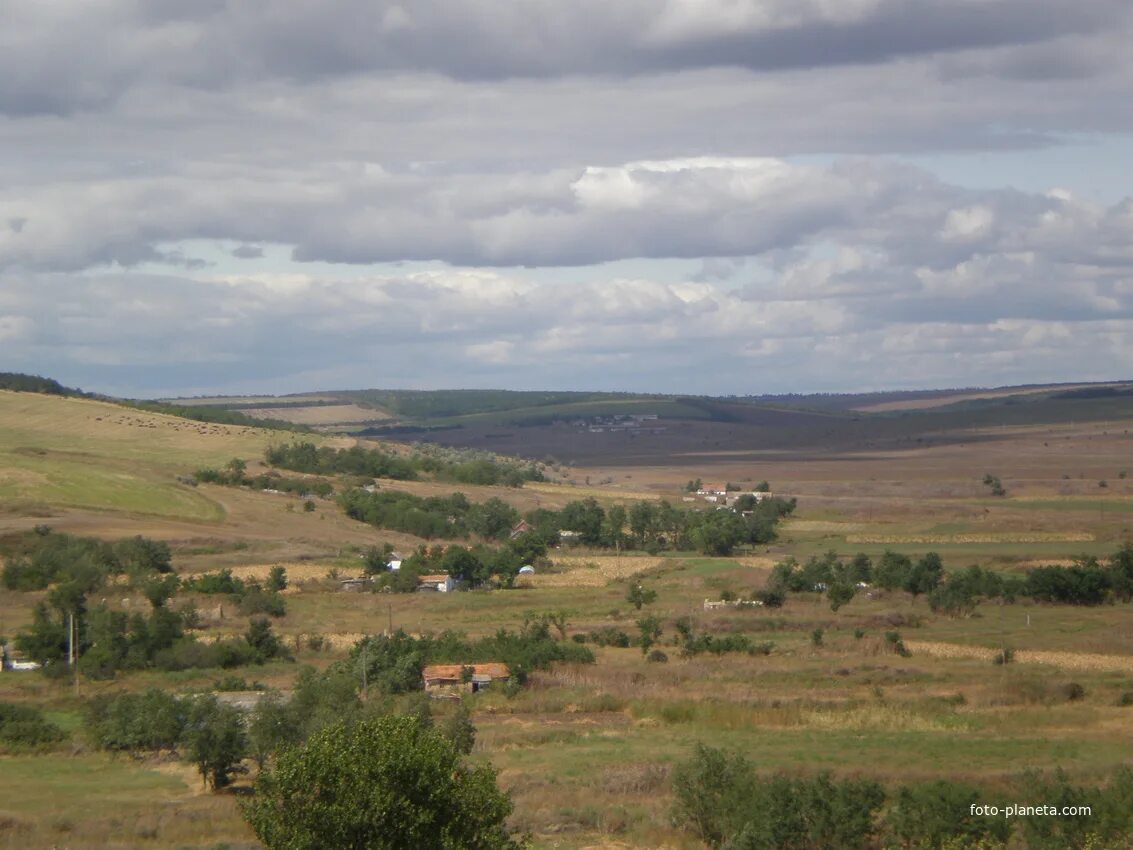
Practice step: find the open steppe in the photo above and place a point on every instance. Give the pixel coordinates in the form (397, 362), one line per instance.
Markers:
(587, 751)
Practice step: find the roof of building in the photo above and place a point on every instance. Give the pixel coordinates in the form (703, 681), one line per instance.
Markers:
(491, 670)
(435, 578)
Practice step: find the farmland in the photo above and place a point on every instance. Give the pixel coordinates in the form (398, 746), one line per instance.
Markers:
(588, 751)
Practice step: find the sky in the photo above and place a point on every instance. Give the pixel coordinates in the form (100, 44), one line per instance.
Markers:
(688, 196)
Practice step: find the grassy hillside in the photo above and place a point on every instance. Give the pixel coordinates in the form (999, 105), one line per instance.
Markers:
(83, 453)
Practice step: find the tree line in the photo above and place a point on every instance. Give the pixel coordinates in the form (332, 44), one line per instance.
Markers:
(1088, 581)
(645, 525)
(464, 467)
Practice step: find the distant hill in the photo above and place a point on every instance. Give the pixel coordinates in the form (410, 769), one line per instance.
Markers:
(607, 427)
(21, 383)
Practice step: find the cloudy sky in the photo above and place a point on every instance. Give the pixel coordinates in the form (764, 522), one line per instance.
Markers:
(703, 196)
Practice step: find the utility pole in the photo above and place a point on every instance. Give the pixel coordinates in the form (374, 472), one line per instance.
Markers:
(390, 619)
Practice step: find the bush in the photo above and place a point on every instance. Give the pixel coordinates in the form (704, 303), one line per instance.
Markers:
(610, 636)
(259, 601)
(935, 813)
(1072, 691)
(657, 656)
(154, 720)
(1004, 656)
(721, 799)
(24, 727)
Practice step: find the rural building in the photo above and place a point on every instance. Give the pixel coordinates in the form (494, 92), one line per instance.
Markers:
(355, 585)
(452, 678)
(519, 529)
(440, 582)
(527, 570)
(712, 490)
(568, 536)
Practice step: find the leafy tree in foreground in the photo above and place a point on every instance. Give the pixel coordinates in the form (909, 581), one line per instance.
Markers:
(386, 784)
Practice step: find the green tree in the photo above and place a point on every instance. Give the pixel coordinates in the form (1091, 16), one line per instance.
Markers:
(892, 570)
(719, 532)
(638, 596)
(382, 784)
(839, 594)
(650, 628)
(216, 741)
(277, 579)
(925, 575)
(460, 731)
(272, 728)
(263, 640)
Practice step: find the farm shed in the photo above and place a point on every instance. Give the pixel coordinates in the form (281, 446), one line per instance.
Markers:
(452, 677)
(438, 581)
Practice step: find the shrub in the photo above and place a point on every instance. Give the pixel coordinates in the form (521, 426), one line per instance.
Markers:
(24, 727)
(1072, 691)
(259, 601)
(1004, 656)
(933, 814)
(153, 720)
(610, 636)
(657, 656)
(721, 798)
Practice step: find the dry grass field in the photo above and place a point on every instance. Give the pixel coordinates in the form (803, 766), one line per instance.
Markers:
(587, 751)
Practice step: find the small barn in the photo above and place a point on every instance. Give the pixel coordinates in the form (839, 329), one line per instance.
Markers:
(440, 582)
(454, 678)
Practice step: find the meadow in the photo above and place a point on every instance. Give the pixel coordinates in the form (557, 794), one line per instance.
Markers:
(588, 751)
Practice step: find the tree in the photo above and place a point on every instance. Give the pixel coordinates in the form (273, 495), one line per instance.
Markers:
(464, 566)
(719, 532)
(839, 594)
(638, 596)
(995, 484)
(892, 570)
(386, 783)
(925, 575)
(613, 533)
(271, 728)
(263, 640)
(586, 517)
(277, 579)
(650, 628)
(460, 731)
(216, 740)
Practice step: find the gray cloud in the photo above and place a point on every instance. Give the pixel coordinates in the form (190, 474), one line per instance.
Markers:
(61, 57)
(701, 207)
